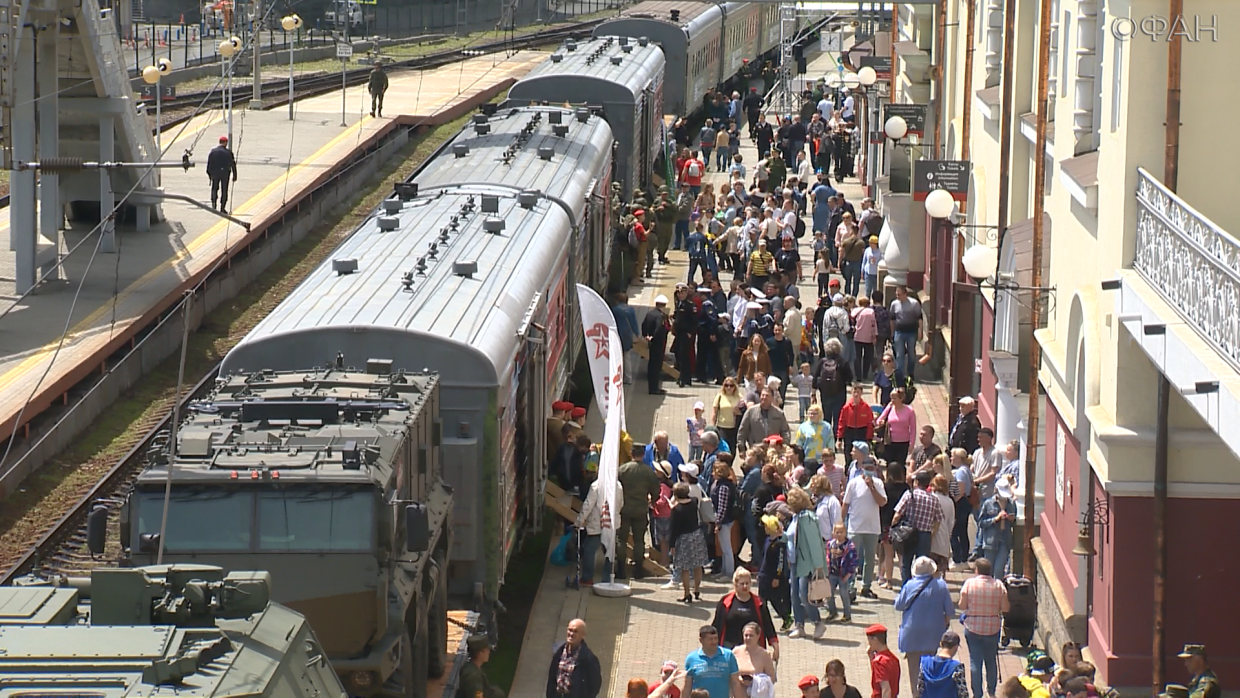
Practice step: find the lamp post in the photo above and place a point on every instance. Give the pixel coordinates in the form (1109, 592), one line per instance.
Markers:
(152, 75)
(290, 23)
(866, 77)
(940, 204)
(227, 49)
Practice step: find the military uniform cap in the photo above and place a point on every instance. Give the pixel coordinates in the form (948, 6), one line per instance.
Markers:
(477, 643)
(1174, 690)
(1191, 651)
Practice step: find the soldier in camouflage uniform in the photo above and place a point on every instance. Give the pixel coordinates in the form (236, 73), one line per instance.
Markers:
(665, 210)
(473, 683)
(1204, 684)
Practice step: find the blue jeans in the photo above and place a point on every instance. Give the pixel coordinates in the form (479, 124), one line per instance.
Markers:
(802, 609)
(906, 351)
(680, 236)
(871, 284)
(750, 523)
(852, 278)
(706, 153)
(924, 538)
(721, 159)
(803, 403)
(998, 555)
(983, 651)
(726, 554)
(589, 550)
(840, 587)
(867, 558)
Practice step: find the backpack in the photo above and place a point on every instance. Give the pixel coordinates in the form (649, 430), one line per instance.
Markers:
(830, 378)
(832, 326)
(799, 230)
(693, 169)
(633, 241)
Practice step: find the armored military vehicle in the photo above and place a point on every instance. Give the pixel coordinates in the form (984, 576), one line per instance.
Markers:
(188, 630)
(331, 480)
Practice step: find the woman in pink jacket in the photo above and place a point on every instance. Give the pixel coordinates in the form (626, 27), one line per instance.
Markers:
(865, 332)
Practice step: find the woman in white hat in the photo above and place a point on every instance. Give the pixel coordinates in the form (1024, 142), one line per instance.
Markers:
(688, 544)
(994, 526)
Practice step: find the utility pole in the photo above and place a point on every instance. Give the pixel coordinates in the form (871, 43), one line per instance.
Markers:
(256, 45)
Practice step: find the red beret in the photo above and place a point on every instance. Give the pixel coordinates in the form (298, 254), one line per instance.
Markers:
(876, 629)
(578, 412)
(561, 406)
(807, 681)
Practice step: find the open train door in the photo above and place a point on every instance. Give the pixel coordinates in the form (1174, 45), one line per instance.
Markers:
(532, 404)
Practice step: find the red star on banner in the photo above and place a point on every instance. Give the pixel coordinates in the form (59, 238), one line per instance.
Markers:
(599, 335)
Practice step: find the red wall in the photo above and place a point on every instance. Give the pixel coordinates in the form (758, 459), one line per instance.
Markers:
(1202, 604)
(1059, 527)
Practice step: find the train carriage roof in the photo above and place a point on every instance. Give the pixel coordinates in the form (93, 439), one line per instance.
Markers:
(442, 266)
(629, 65)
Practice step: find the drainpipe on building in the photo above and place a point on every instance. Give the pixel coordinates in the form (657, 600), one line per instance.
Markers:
(939, 71)
(1171, 175)
(1035, 310)
(967, 107)
(1005, 126)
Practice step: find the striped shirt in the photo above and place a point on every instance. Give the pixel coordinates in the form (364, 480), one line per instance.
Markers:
(761, 263)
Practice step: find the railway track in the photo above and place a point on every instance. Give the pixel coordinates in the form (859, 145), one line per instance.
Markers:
(56, 545)
(61, 548)
(314, 85)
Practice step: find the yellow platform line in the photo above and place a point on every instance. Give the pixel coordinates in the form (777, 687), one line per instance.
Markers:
(198, 243)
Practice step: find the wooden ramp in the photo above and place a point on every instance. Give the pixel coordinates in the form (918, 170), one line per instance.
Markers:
(643, 350)
(568, 506)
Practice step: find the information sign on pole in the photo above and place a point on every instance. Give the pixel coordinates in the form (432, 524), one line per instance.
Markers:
(344, 51)
(913, 114)
(950, 175)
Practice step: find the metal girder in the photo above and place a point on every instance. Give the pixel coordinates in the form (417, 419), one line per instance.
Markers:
(787, 62)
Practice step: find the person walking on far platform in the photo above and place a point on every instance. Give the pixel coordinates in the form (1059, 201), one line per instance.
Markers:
(377, 87)
(473, 682)
(220, 166)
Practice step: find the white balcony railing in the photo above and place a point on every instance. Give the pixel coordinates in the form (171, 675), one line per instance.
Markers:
(1194, 264)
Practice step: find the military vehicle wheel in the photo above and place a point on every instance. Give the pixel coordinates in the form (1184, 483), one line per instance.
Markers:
(413, 667)
(437, 626)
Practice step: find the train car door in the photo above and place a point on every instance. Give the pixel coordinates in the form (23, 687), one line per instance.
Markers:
(530, 405)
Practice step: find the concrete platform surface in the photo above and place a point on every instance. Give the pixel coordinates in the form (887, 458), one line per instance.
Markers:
(106, 300)
(633, 636)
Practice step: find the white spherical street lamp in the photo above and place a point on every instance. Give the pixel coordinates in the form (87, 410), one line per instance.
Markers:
(895, 128)
(150, 75)
(290, 23)
(851, 81)
(980, 262)
(867, 76)
(229, 46)
(940, 204)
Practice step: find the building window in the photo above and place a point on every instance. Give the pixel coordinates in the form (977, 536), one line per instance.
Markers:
(1117, 83)
(1065, 51)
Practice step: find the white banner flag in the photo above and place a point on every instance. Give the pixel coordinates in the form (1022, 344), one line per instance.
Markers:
(599, 328)
(609, 459)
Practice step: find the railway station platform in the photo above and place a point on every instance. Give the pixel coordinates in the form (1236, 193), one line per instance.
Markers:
(111, 301)
(633, 636)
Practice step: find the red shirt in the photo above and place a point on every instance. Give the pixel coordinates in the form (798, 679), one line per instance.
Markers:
(672, 691)
(884, 667)
(856, 416)
(690, 179)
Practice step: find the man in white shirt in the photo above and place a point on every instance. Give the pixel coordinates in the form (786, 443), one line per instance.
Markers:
(848, 112)
(826, 107)
(862, 498)
(987, 460)
(793, 326)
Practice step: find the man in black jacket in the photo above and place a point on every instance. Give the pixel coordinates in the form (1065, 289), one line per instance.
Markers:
(654, 329)
(684, 325)
(574, 670)
(753, 107)
(220, 166)
(964, 431)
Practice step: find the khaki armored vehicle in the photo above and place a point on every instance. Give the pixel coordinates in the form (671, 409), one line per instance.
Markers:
(184, 630)
(330, 480)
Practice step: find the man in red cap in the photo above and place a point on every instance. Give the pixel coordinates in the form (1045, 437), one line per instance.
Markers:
(809, 686)
(639, 238)
(884, 667)
(220, 165)
(577, 420)
(555, 426)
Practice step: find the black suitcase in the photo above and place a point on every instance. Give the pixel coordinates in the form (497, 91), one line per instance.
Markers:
(1022, 615)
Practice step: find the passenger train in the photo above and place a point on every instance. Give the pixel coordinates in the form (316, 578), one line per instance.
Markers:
(469, 268)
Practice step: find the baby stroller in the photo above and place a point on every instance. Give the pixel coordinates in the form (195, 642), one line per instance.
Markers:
(1022, 615)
